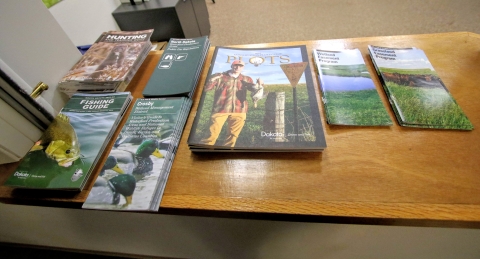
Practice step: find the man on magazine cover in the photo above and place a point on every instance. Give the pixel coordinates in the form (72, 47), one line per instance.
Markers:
(230, 102)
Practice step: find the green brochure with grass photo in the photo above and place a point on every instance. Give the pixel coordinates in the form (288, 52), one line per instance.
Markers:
(415, 91)
(348, 92)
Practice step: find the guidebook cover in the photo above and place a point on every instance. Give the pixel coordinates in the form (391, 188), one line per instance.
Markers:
(136, 170)
(68, 150)
(416, 93)
(349, 94)
(111, 60)
(259, 99)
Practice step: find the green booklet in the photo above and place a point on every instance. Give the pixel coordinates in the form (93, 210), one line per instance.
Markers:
(258, 99)
(136, 170)
(415, 91)
(349, 94)
(68, 150)
(179, 68)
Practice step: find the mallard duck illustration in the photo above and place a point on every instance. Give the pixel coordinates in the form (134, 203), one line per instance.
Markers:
(59, 141)
(140, 161)
(111, 164)
(108, 191)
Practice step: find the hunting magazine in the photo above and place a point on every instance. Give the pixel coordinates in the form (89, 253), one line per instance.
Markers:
(260, 99)
(109, 64)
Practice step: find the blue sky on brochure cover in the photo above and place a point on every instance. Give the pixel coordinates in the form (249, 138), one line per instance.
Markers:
(270, 73)
(347, 57)
(407, 59)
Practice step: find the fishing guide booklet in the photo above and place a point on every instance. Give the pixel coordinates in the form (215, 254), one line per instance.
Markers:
(68, 150)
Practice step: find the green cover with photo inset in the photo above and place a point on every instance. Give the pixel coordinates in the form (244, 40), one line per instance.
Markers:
(179, 68)
(416, 93)
(68, 150)
(348, 92)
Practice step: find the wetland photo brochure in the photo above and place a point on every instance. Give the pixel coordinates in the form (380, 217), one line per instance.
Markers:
(349, 95)
(67, 152)
(416, 93)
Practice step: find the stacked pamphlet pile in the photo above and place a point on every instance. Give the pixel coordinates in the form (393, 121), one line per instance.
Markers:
(67, 152)
(258, 100)
(136, 169)
(416, 93)
(179, 68)
(109, 64)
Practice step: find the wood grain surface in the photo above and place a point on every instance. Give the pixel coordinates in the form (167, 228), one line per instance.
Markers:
(418, 176)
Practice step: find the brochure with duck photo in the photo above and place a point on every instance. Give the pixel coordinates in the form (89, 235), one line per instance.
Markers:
(258, 99)
(348, 92)
(416, 93)
(136, 169)
(68, 150)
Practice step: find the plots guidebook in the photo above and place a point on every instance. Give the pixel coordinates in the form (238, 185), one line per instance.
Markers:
(260, 99)
(348, 92)
(67, 152)
(136, 169)
(416, 93)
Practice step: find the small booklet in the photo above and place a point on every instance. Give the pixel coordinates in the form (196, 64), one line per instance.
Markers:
(67, 152)
(349, 94)
(136, 169)
(184, 57)
(415, 91)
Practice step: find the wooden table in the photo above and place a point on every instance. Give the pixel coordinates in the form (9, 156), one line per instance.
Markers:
(367, 175)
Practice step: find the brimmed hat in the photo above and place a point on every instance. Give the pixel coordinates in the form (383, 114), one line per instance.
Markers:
(238, 62)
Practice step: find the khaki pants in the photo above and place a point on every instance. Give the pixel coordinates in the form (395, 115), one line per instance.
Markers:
(235, 125)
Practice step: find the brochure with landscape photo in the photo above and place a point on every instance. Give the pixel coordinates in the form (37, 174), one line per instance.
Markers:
(348, 92)
(415, 91)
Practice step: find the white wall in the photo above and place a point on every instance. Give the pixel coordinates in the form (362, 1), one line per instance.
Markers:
(85, 20)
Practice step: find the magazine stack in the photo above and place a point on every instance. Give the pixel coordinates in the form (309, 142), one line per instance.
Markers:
(109, 64)
(258, 100)
(135, 172)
